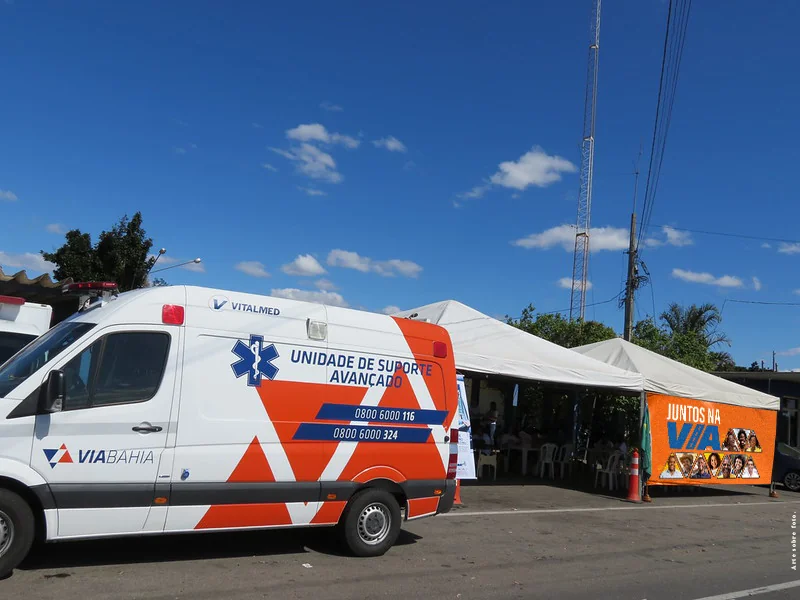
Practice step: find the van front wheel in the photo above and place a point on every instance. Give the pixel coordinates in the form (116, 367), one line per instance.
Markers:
(370, 523)
(16, 531)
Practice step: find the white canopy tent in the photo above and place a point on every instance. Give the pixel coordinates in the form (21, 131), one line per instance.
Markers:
(663, 375)
(482, 344)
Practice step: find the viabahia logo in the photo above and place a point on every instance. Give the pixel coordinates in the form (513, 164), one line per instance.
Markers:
(115, 457)
(104, 456)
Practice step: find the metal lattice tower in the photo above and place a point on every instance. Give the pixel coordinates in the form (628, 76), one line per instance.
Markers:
(580, 266)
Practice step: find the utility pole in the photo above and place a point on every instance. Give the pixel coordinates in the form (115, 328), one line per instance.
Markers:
(631, 282)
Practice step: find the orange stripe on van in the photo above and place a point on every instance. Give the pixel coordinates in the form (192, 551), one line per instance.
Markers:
(288, 403)
(245, 515)
(253, 466)
(420, 337)
(422, 506)
(329, 513)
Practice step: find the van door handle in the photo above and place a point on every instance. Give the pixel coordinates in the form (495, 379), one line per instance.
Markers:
(147, 428)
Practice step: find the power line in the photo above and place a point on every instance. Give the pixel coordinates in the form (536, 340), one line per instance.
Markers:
(563, 310)
(674, 43)
(733, 235)
(757, 302)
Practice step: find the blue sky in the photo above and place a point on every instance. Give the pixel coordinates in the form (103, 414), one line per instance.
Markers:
(382, 155)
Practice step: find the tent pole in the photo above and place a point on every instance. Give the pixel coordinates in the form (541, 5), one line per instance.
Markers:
(589, 437)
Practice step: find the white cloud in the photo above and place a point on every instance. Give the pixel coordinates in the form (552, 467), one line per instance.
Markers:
(28, 261)
(269, 167)
(785, 248)
(790, 352)
(313, 162)
(796, 292)
(388, 268)
(330, 107)
(8, 195)
(56, 228)
(390, 310)
(566, 283)
(325, 284)
(252, 268)
(391, 143)
(349, 260)
(257, 125)
(756, 284)
(676, 237)
(311, 191)
(601, 238)
(304, 265)
(315, 132)
(179, 150)
(479, 191)
(534, 168)
(766, 245)
(726, 281)
(316, 296)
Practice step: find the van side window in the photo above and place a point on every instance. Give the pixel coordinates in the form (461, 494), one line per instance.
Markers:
(120, 368)
(78, 376)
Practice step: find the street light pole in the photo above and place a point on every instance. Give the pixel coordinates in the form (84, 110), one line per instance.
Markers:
(183, 264)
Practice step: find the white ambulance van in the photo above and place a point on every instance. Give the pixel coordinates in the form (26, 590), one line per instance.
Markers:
(20, 323)
(184, 409)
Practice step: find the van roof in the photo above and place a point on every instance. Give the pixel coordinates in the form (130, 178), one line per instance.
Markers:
(144, 306)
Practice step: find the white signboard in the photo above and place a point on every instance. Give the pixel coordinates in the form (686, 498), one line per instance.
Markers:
(466, 460)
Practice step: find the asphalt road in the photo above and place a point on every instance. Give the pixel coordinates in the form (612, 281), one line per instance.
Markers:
(505, 542)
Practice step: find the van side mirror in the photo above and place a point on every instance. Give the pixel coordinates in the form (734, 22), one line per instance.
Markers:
(51, 398)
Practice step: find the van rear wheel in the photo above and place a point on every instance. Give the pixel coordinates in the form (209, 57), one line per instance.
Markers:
(17, 528)
(370, 523)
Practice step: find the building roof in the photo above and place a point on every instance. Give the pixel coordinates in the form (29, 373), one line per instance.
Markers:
(761, 375)
(41, 289)
(663, 375)
(482, 344)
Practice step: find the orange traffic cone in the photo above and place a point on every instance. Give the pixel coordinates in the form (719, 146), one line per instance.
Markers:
(634, 493)
(457, 500)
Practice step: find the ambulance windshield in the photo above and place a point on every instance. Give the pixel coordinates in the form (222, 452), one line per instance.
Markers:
(39, 352)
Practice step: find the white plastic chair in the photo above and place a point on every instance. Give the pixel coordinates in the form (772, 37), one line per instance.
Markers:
(487, 460)
(609, 473)
(546, 458)
(564, 458)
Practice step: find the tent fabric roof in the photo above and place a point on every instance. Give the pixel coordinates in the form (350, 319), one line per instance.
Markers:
(482, 344)
(663, 375)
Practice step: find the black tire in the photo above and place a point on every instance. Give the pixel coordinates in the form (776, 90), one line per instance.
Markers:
(792, 481)
(17, 530)
(363, 528)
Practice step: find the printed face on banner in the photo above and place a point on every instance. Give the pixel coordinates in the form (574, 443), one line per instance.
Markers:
(705, 442)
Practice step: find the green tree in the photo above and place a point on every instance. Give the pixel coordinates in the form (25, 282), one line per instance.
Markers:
(121, 254)
(680, 343)
(560, 330)
(703, 320)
